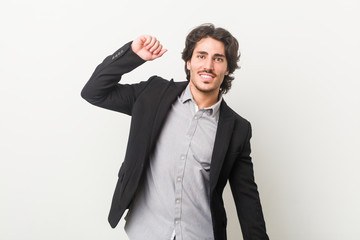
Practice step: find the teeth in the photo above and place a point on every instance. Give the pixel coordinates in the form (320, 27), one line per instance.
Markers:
(206, 76)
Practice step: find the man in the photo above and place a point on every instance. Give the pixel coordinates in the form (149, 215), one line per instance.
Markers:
(184, 144)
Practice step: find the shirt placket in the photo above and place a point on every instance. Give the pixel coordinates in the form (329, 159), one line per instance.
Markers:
(180, 169)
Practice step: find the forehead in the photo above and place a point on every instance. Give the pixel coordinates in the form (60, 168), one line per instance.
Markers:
(210, 45)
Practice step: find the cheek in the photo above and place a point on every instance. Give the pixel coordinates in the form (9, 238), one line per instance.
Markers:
(222, 71)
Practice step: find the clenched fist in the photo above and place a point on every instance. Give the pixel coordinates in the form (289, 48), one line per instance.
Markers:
(147, 47)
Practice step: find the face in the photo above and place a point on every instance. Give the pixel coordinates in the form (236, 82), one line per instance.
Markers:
(207, 66)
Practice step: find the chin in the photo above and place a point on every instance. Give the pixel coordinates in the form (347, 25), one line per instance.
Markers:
(207, 89)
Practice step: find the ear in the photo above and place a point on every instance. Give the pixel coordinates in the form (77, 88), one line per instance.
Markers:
(188, 65)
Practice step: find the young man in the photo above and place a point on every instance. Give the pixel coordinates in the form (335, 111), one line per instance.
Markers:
(184, 144)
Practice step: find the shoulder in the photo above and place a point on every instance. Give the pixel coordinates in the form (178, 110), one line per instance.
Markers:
(157, 80)
(156, 87)
(157, 83)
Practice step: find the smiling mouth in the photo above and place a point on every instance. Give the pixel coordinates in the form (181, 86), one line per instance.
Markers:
(207, 76)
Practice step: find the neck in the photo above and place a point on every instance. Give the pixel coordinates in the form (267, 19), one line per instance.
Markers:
(204, 99)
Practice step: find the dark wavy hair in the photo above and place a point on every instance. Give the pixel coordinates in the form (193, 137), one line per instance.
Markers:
(232, 53)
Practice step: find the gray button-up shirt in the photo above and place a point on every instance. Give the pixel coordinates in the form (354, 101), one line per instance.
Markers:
(175, 195)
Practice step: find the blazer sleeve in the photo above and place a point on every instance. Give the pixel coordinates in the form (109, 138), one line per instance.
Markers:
(246, 195)
(103, 88)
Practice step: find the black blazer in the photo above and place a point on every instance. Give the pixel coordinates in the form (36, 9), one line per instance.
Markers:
(148, 104)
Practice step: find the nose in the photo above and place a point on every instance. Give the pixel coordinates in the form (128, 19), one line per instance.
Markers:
(209, 64)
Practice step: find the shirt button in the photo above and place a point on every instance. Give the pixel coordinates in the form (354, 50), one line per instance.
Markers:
(177, 221)
(195, 117)
(178, 179)
(177, 201)
(182, 157)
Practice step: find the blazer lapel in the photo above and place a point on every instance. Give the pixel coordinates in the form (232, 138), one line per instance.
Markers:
(169, 96)
(222, 141)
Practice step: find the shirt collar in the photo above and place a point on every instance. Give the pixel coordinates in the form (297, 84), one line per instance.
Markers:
(187, 96)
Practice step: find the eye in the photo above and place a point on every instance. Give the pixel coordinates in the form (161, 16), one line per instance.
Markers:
(219, 59)
(201, 56)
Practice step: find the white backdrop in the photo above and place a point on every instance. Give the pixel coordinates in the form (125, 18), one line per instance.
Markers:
(299, 86)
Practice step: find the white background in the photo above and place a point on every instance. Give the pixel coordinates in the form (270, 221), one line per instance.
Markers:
(298, 85)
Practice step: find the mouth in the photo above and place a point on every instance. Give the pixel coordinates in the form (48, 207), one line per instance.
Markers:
(207, 76)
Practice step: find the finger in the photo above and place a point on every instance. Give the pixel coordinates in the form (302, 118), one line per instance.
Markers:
(145, 39)
(155, 47)
(152, 42)
(161, 53)
(158, 49)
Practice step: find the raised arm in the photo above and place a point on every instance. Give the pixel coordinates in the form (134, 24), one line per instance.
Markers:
(103, 88)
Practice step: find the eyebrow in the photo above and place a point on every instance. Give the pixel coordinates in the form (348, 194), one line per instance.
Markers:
(216, 54)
